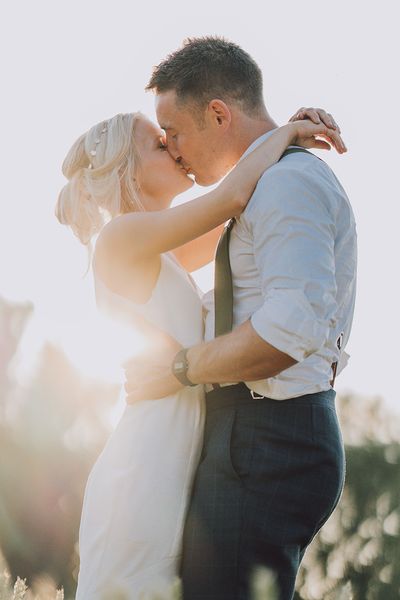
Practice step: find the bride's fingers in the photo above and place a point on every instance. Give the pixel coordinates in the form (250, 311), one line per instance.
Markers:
(333, 138)
(312, 114)
(298, 115)
(321, 144)
(335, 125)
(307, 113)
(316, 115)
(326, 118)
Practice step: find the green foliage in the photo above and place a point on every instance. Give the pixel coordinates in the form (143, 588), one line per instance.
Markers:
(360, 542)
(264, 585)
(20, 591)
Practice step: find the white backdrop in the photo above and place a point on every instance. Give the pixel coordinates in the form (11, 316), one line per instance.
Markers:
(68, 64)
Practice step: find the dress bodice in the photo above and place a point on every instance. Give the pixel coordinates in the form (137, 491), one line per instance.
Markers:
(174, 305)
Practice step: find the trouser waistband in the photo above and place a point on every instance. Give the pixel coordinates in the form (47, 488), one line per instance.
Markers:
(239, 394)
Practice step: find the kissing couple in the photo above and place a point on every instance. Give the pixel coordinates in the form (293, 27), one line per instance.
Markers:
(229, 454)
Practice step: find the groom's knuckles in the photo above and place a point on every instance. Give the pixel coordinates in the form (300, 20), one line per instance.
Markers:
(132, 398)
(132, 374)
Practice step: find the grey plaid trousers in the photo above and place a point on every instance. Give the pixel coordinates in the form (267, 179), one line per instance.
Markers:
(270, 475)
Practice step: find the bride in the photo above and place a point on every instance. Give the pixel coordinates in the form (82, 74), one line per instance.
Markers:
(137, 492)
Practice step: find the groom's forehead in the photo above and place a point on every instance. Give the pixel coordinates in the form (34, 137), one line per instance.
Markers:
(166, 109)
(165, 101)
(172, 114)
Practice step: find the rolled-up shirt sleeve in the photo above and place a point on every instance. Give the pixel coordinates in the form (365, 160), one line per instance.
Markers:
(293, 229)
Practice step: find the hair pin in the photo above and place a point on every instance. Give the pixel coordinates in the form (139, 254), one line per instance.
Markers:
(97, 141)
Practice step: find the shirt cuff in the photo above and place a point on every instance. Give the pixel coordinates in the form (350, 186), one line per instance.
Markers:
(288, 322)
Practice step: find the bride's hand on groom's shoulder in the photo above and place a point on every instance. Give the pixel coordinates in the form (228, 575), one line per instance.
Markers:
(313, 126)
(316, 115)
(149, 376)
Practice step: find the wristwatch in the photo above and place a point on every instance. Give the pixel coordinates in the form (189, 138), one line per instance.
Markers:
(180, 367)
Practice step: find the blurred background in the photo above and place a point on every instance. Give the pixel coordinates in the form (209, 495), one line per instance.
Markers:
(67, 65)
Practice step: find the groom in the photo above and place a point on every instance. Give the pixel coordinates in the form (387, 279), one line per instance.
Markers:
(272, 468)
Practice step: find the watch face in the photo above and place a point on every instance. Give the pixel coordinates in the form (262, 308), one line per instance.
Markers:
(180, 367)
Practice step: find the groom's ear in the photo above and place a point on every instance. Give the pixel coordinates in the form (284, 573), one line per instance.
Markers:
(218, 114)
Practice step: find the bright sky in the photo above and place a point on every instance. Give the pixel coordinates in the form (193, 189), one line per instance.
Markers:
(69, 64)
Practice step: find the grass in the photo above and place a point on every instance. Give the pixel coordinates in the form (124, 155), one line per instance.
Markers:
(264, 588)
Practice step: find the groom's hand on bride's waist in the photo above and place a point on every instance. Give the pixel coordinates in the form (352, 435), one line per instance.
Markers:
(149, 376)
(154, 387)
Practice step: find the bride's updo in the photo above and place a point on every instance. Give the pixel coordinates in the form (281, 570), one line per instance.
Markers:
(100, 167)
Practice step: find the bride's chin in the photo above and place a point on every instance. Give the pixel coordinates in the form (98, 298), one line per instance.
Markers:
(183, 185)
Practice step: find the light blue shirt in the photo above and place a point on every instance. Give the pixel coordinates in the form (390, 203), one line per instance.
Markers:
(293, 257)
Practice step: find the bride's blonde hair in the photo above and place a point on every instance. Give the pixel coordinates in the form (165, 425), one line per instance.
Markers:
(101, 168)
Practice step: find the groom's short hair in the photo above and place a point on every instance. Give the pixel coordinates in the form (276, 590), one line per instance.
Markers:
(211, 67)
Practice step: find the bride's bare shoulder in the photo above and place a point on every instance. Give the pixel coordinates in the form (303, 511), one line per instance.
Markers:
(119, 262)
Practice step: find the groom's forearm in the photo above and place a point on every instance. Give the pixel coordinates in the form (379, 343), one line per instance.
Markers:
(241, 355)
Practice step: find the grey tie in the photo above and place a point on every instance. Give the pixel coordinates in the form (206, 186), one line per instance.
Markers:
(223, 288)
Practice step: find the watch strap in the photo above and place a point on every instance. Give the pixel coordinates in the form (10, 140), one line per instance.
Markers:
(180, 367)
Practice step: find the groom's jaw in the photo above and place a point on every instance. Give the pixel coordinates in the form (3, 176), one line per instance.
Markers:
(206, 180)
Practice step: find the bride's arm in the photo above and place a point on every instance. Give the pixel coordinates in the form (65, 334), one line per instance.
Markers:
(142, 236)
(199, 252)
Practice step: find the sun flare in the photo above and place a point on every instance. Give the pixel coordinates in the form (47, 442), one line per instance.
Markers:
(102, 345)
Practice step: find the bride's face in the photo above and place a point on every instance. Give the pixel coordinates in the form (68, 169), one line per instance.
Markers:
(159, 177)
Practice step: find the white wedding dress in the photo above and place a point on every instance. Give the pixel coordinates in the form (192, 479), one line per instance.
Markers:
(137, 493)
